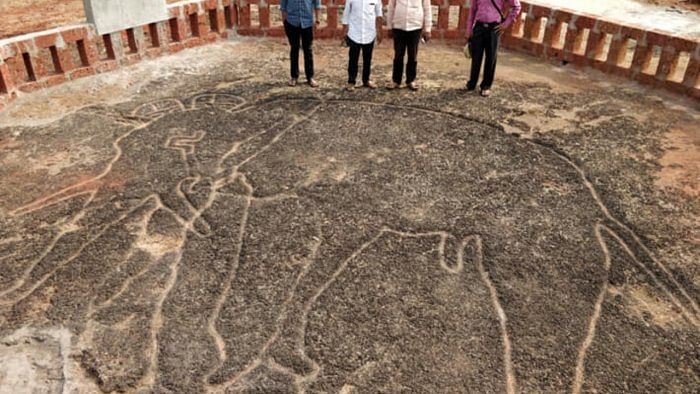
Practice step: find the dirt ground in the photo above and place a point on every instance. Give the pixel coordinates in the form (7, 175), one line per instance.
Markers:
(25, 16)
(191, 224)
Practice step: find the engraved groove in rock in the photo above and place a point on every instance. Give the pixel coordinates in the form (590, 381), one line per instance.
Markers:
(239, 247)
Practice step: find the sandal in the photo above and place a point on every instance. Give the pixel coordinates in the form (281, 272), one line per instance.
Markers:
(292, 82)
(313, 83)
(393, 86)
(350, 87)
(412, 86)
(485, 92)
(370, 84)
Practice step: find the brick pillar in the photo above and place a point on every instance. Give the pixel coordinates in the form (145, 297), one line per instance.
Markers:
(666, 62)
(692, 73)
(7, 84)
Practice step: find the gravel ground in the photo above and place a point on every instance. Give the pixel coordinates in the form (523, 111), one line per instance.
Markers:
(191, 223)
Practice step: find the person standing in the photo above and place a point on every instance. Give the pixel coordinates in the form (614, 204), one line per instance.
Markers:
(485, 24)
(409, 20)
(299, 25)
(362, 19)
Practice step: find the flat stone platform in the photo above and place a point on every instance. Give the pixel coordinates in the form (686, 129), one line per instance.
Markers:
(193, 225)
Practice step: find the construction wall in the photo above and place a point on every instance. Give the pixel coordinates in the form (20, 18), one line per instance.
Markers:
(48, 58)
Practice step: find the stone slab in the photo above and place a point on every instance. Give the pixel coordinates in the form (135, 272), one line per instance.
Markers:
(114, 15)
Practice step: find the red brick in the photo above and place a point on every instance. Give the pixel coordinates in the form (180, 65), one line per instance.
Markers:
(632, 32)
(45, 41)
(8, 51)
(692, 72)
(193, 42)
(65, 60)
(81, 72)
(54, 80)
(26, 46)
(154, 52)
(654, 38)
(175, 47)
(7, 82)
(681, 44)
(538, 11)
(132, 58)
(694, 93)
(79, 33)
(277, 31)
(211, 37)
(665, 63)
(608, 27)
(33, 86)
(175, 12)
(264, 15)
(106, 65)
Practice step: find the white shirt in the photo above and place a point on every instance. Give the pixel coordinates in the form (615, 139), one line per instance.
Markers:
(409, 15)
(361, 18)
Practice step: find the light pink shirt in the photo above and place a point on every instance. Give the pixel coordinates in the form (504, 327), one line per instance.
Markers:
(410, 15)
(484, 11)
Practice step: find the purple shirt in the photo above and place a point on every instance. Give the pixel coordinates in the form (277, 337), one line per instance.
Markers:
(484, 11)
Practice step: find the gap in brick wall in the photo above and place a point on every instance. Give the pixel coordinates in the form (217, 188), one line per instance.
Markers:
(227, 17)
(581, 41)
(559, 40)
(341, 9)
(79, 48)
(194, 25)
(324, 15)
(125, 41)
(627, 53)
(173, 32)
(30, 76)
(653, 62)
(154, 34)
(43, 62)
(603, 47)
(276, 16)
(101, 48)
(254, 15)
(435, 11)
(57, 67)
(453, 20)
(519, 30)
(680, 65)
(541, 27)
(131, 41)
(213, 20)
(147, 38)
(3, 88)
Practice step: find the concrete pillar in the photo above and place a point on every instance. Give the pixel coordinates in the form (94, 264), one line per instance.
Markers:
(114, 15)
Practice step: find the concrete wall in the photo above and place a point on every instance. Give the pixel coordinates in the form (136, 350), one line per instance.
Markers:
(109, 16)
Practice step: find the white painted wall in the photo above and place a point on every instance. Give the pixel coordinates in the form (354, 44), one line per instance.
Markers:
(114, 15)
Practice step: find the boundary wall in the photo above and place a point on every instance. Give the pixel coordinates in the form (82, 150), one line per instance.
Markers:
(47, 58)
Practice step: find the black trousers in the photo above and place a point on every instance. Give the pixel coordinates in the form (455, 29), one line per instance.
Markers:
(355, 49)
(296, 36)
(405, 41)
(485, 39)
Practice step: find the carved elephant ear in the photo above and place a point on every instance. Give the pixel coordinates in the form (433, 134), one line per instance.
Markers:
(155, 109)
(224, 101)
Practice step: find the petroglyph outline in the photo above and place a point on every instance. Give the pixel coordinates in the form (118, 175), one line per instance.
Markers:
(153, 112)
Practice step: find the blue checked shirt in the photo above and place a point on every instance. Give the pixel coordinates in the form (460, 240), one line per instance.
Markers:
(300, 13)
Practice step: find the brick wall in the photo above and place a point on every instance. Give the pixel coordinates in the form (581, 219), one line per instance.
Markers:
(47, 58)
